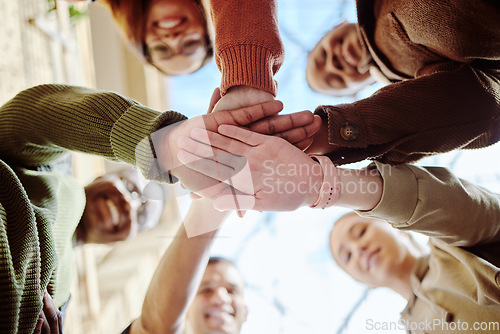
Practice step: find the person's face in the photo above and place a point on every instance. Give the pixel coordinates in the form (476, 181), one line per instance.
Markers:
(369, 250)
(116, 209)
(218, 307)
(332, 66)
(175, 36)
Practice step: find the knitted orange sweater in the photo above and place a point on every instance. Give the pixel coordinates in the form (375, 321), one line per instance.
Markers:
(248, 49)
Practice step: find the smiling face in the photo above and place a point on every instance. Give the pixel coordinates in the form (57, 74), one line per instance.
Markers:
(218, 307)
(370, 250)
(116, 209)
(332, 66)
(175, 38)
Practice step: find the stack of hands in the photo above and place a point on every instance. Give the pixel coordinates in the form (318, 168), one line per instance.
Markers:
(242, 155)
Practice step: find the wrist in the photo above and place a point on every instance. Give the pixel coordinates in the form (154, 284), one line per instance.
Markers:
(361, 188)
(250, 94)
(329, 189)
(166, 147)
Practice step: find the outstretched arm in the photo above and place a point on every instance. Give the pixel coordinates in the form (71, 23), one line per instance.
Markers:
(405, 121)
(248, 49)
(270, 174)
(179, 274)
(42, 123)
(428, 200)
(261, 117)
(433, 201)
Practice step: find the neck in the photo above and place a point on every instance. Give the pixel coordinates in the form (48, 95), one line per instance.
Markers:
(402, 283)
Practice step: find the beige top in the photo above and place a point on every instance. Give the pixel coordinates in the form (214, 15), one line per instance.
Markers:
(455, 290)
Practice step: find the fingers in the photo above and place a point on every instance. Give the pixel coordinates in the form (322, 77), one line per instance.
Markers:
(304, 144)
(214, 99)
(194, 196)
(242, 116)
(243, 135)
(314, 127)
(234, 202)
(45, 324)
(295, 132)
(209, 144)
(39, 324)
(198, 183)
(208, 167)
(280, 123)
(52, 314)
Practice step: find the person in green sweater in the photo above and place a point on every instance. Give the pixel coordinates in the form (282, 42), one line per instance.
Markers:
(41, 207)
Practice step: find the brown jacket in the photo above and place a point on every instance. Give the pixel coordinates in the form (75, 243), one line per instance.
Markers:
(444, 59)
(457, 286)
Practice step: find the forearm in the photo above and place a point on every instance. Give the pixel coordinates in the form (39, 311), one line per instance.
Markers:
(179, 273)
(433, 114)
(434, 202)
(360, 189)
(42, 123)
(248, 49)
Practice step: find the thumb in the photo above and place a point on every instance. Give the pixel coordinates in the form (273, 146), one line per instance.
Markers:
(214, 99)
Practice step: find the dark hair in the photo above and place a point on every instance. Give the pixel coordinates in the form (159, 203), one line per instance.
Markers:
(220, 259)
(130, 15)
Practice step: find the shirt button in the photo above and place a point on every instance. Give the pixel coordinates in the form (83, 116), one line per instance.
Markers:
(349, 131)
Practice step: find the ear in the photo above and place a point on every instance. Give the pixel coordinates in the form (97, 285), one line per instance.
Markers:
(245, 313)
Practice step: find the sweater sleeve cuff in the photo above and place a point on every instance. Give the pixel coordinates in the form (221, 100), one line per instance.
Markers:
(399, 197)
(247, 65)
(131, 142)
(346, 125)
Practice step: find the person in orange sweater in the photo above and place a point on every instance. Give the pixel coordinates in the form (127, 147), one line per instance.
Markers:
(179, 37)
(176, 37)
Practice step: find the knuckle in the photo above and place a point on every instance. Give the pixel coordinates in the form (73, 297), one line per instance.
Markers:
(249, 116)
(272, 128)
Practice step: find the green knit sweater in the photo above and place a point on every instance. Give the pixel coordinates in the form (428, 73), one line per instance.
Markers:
(39, 210)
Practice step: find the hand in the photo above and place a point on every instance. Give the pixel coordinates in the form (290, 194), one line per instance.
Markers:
(213, 100)
(49, 320)
(242, 96)
(297, 128)
(320, 143)
(165, 143)
(267, 173)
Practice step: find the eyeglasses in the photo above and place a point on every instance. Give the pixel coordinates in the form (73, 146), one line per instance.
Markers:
(136, 194)
(161, 51)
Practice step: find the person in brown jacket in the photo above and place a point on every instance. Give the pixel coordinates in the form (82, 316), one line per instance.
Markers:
(443, 59)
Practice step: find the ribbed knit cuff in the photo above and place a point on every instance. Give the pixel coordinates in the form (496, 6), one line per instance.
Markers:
(131, 142)
(399, 197)
(248, 65)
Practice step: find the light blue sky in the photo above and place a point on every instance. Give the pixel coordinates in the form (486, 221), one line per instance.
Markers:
(293, 285)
